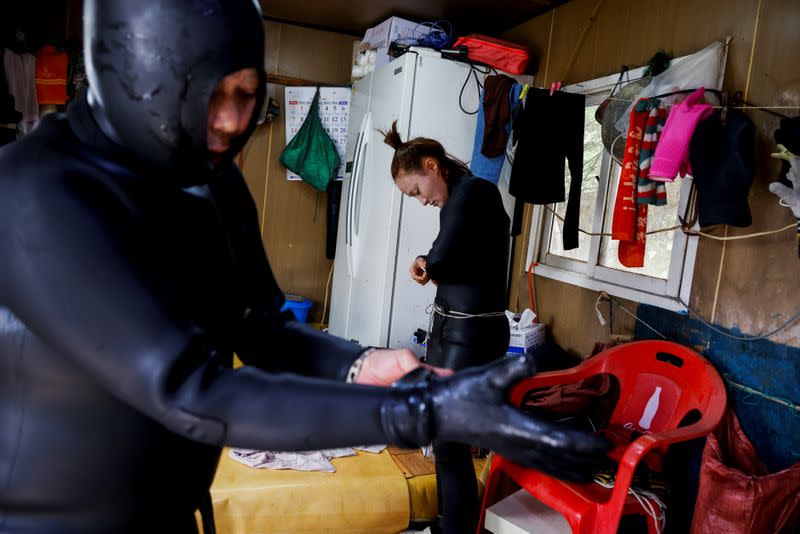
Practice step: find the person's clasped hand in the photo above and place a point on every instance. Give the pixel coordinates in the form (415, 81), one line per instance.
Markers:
(382, 367)
(418, 271)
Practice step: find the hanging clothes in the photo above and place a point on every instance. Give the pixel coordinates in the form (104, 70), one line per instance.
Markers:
(550, 130)
(650, 191)
(8, 111)
(20, 71)
(788, 135)
(629, 222)
(724, 166)
(481, 165)
(77, 81)
(672, 153)
(51, 76)
(497, 114)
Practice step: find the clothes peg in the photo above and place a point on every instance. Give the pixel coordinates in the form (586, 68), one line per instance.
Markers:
(782, 153)
(524, 91)
(556, 86)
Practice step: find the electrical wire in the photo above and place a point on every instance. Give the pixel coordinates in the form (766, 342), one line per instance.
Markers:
(437, 37)
(651, 503)
(327, 293)
(783, 326)
(474, 70)
(605, 296)
(531, 267)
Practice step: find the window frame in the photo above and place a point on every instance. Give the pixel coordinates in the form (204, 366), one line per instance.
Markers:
(646, 289)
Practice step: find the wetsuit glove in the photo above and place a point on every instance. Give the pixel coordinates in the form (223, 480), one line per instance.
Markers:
(471, 407)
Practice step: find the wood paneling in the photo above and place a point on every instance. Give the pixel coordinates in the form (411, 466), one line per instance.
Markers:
(355, 16)
(758, 286)
(315, 55)
(293, 214)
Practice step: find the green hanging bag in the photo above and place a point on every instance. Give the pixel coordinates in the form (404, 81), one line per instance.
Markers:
(311, 154)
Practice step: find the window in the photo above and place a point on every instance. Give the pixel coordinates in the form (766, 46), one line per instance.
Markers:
(669, 256)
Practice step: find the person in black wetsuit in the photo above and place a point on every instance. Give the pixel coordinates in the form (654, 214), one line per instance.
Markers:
(131, 270)
(468, 263)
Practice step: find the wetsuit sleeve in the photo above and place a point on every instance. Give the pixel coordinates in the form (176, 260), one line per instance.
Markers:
(79, 279)
(267, 338)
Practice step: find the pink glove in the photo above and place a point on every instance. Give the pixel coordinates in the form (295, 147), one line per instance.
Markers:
(672, 151)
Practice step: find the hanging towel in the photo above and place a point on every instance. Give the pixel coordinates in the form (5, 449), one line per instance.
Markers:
(20, 71)
(629, 222)
(550, 130)
(497, 114)
(650, 191)
(480, 165)
(51, 76)
(672, 152)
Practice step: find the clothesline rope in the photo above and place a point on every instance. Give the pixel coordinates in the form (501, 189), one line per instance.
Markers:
(689, 233)
(631, 100)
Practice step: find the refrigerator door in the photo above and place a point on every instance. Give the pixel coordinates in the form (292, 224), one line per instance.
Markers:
(371, 221)
(436, 114)
(342, 273)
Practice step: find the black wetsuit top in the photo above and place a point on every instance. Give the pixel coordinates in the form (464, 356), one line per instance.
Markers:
(122, 300)
(469, 262)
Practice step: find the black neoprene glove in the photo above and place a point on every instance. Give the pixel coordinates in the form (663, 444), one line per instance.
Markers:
(471, 407)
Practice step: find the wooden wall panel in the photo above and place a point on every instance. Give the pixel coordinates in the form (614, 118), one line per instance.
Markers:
(759, 278)
(315, 55)
(578, 332)
(292, 214)
(760, 285)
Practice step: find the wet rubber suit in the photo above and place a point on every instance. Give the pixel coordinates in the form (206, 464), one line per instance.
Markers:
(131, 270)
(469, 263)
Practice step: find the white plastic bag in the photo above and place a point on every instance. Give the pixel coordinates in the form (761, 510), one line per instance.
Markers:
(705, 68)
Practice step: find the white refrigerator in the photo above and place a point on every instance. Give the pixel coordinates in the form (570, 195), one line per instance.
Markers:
(381, 232)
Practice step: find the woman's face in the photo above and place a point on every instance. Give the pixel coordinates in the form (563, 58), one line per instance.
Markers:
(426, 185)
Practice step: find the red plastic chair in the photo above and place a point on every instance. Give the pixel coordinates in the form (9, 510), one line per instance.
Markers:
(688, 383)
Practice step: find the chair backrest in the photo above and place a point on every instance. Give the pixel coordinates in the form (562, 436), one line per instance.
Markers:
(661, 383)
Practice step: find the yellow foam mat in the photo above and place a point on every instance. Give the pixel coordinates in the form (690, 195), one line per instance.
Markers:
(368, 494)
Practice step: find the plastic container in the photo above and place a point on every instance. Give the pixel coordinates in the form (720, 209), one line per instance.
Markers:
(300, 307)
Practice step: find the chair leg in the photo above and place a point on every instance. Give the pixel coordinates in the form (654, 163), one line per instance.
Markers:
(489, 492)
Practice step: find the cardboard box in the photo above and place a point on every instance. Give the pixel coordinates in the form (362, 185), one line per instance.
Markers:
(381, 36)
(526, 339)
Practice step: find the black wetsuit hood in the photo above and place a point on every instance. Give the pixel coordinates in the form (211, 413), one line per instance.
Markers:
(152, 67)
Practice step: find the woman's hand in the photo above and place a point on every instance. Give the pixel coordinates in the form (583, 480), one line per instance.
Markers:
(418, 272)
(383, 367)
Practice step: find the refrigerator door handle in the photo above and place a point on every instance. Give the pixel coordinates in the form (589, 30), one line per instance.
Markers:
(357, 196)
(358, 162)
(348, 205)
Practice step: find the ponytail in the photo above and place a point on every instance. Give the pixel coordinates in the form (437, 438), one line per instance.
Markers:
(408, 156)
(392, 137)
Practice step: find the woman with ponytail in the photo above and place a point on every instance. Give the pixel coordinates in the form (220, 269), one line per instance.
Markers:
(468, 264)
